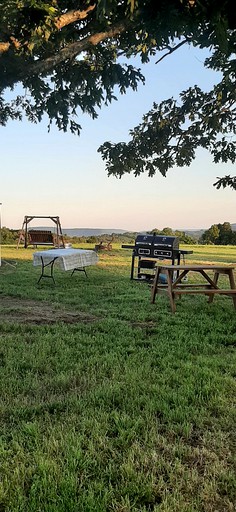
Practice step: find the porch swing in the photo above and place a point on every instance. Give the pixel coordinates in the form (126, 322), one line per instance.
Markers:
(37, 237)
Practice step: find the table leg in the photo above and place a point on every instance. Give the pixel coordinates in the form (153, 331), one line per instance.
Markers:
(215, 281)
(154, 286)
(170, 290)
(232, 284)
(44, 265)
(79, 270)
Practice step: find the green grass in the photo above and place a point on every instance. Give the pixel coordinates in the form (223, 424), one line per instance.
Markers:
(128, 409)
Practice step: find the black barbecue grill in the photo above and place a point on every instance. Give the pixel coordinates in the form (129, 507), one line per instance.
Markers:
(154, 247)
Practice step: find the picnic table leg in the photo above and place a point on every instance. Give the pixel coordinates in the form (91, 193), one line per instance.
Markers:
(215, 281)
(170, 290)
(154, 286)
(232, 284)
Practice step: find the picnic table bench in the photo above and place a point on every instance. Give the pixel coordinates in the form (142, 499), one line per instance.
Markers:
(209, 286)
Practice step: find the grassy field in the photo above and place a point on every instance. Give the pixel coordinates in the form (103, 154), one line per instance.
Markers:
(109, 403)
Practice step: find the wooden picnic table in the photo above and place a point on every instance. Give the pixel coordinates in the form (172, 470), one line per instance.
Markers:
(175, 287)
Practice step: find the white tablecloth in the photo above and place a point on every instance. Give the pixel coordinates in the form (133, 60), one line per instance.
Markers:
(66, 259)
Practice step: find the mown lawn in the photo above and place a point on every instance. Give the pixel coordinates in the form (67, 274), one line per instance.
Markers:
(109, 403)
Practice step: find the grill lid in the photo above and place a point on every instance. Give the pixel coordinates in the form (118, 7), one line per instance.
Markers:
(157, 241)
(166, 241)
(144, 240)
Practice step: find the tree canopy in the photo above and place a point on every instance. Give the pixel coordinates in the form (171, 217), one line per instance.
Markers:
(184, 238)
(64, 57)
(219, 234)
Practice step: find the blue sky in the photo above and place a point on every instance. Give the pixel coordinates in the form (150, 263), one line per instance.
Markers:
(61, 174)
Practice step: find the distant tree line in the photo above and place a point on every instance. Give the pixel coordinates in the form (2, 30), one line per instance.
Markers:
(123, 238)
(9, 236)
(183, 237)
(219, 234)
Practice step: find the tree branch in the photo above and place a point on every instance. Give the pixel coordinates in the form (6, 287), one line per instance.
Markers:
(72, 16)
(60, 22)
(171, 50)
(71, 51)
(68, 53)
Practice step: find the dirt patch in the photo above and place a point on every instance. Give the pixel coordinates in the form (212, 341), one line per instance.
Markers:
(18, 310)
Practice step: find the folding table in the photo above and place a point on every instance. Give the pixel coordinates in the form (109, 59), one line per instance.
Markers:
(66, 259)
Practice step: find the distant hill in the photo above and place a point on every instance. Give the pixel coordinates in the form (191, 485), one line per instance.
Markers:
(71, 232)
(91, 232)
(195, 233)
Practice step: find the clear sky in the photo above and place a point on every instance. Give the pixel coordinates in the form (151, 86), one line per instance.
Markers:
(62, 174)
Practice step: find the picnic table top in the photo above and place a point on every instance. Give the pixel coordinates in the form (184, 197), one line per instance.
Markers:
(196, 267)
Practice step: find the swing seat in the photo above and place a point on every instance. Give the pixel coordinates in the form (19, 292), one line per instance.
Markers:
(40, 237)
